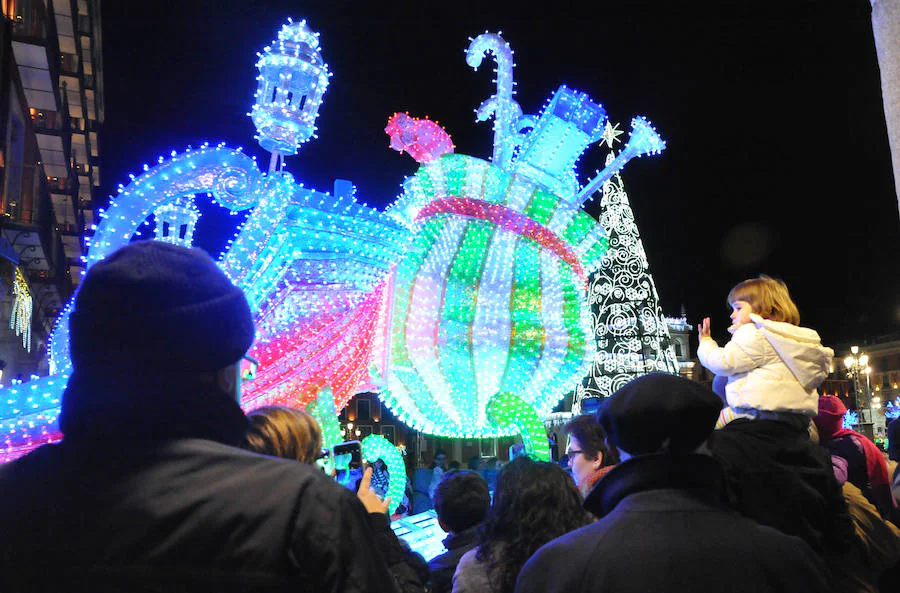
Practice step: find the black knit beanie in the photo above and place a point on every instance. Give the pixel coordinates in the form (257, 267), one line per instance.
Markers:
(152, 303)
(660, 412)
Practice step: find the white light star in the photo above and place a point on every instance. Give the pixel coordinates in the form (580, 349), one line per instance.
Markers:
(611, 134)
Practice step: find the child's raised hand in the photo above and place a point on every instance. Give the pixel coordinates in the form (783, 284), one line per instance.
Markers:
(704, 328)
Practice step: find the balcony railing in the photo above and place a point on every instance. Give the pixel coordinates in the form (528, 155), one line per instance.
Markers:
(47, 121)
(29, 18)
(60, 185)
(68, 63)
(69, 228)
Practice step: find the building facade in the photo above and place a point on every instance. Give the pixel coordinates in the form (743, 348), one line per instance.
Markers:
(51, 110)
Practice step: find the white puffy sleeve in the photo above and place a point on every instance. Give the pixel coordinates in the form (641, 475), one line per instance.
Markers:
(743, 353)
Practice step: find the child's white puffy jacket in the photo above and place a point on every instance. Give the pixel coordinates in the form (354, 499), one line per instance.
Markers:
(770, 365)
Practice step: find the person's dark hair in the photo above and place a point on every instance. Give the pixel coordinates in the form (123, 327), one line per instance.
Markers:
(535, 502)
(434, 458)
(586, 428)
(455, 465)
(474, 463)
(461, 500)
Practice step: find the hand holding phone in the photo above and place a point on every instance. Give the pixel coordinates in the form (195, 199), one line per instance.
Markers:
(367, 496)
(348, 464)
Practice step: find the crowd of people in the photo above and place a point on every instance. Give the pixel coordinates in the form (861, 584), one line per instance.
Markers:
(163, 483)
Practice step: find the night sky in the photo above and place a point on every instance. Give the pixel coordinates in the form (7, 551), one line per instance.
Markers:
(777, 158)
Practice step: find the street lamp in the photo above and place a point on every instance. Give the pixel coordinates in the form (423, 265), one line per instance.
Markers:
(858, 367)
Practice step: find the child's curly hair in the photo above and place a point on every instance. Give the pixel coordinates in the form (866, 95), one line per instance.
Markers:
(768, 297)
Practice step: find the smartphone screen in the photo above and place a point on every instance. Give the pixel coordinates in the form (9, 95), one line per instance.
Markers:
(348, 464)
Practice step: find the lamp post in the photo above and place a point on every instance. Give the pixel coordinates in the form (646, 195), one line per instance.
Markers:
(858, 370)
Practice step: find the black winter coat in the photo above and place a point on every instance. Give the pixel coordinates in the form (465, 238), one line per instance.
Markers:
(106, 510)
(662, 527)
(443, 567)
(775, 475)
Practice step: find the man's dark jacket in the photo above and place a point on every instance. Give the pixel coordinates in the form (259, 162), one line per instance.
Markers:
(775, 475)
(146, 496)
(662, 527)
(442, 567)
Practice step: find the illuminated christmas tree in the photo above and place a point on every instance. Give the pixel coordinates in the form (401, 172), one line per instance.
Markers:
(629, 327)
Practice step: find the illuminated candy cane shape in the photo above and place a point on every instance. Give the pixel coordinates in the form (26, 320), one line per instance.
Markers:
(508, 410)
(375, 447)
(506, 111)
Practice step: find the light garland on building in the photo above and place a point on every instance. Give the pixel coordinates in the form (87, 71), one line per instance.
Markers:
(22, 305)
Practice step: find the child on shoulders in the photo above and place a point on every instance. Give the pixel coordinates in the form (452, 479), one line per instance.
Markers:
(773, 365)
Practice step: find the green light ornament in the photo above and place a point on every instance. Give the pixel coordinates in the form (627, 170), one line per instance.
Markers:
(375, 447)
(322, 409)
(510, 411)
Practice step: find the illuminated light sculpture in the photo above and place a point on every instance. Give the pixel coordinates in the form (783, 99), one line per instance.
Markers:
(507, 409)
(423, 139)
(292, 80)
(506, 112)
(322, 409)
(375, 447)
(465, 299)
(28, 415)
(629, 328)
(313, 265)
(488, 300)
(850, 420)
(569, 124)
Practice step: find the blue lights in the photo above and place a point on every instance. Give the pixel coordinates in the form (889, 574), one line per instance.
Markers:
(292, 80)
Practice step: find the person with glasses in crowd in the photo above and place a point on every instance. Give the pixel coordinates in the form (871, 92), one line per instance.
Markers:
(148, 489)
(588, 455)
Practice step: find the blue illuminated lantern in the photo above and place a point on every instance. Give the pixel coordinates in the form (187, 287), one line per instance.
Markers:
(175, 221)
(292, 80)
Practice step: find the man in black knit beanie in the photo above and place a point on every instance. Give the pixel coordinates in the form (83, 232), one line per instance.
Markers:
(147, 490)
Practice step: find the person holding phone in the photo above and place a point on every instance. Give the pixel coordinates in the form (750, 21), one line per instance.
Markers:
(294, 434)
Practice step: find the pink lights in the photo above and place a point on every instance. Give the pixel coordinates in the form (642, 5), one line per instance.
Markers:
(510, 220)
(423, 139)
(331, 349)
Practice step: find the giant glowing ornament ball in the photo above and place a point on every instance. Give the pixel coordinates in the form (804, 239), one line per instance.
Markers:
(489, 323)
